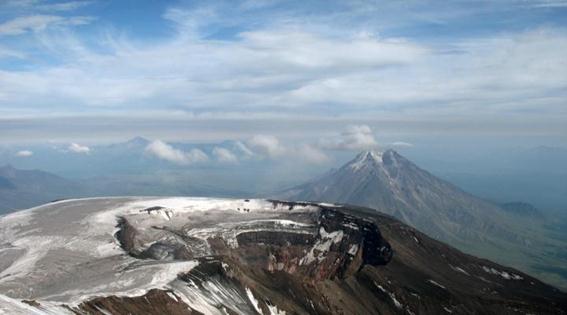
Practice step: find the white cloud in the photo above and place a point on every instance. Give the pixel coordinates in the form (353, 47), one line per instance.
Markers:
(224, 155)
(77, 148)
(166, 152)
(402, 144)
(354, 137)
(36, 23)
(24, 153)
(266, 145)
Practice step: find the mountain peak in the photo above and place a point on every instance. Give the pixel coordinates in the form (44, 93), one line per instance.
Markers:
(372, 158)
(137, 142)
(366, 158)
(370, 155)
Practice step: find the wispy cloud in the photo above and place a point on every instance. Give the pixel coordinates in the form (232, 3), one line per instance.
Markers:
(5, 52)
(266, 145)
(42, 5)
(61, 6)
(547, 3)
(36, 23)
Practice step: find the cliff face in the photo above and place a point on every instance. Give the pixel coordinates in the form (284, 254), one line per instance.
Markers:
(207, 256)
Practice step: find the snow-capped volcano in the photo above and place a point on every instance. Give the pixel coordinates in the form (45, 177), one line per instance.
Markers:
(392, 184)
(240, 256)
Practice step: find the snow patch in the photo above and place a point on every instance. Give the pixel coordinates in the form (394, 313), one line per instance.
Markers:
(436, 284)
(391, 295)
(172, 296)
(274, 310)
(459, 269)
(322, 246)
(503, 274)
(351, 226)
(253, 300)
(353, 249)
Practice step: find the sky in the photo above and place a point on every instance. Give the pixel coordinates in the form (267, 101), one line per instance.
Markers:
(319, 74)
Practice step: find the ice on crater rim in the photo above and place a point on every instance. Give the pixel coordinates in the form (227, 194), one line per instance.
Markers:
(52, 241)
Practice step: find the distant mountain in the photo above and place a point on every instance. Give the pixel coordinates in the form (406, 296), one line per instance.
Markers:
(392, 184)
(245, 256)
(20, 189)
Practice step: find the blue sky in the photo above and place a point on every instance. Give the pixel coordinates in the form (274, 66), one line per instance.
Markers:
(91, 71)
